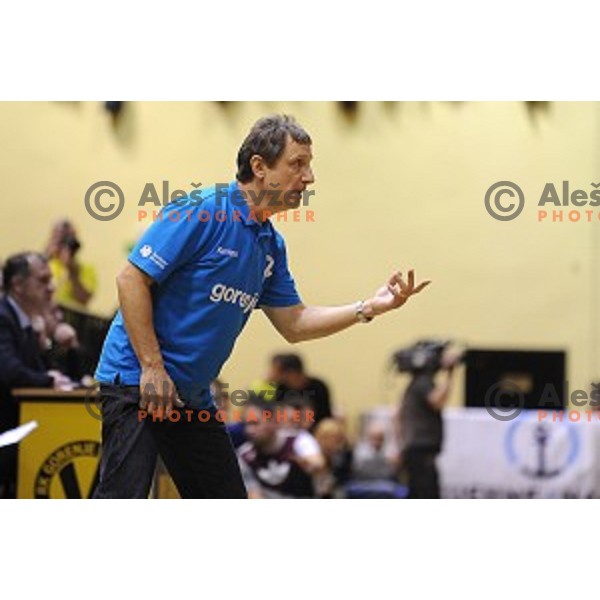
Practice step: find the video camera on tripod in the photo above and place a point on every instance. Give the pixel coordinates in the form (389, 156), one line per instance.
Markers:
(425, 355)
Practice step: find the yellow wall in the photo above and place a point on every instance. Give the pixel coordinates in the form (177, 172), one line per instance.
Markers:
(401, 185)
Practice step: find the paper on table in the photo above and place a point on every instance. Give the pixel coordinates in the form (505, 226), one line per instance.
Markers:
(14, 436)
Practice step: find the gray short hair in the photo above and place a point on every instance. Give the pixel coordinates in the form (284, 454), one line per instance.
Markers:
(267, 138)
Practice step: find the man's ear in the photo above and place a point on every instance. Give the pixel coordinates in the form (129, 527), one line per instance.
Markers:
(258, 165)
(17, 284)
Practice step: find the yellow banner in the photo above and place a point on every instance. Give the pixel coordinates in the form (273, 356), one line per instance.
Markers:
(60, 458)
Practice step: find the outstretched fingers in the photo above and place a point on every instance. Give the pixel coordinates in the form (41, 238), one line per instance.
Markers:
(401, 289)
(421, 286)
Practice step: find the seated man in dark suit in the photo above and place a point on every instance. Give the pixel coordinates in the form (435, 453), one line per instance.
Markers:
(28, 291)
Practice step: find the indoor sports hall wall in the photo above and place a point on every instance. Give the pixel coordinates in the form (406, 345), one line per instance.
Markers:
(397, 185)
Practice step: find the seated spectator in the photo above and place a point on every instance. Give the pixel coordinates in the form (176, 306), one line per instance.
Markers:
(287, 371)
(28, 287)
(234, 410)
(278, 462)
(372, 457)
(75, 280)
(331, 436)
(299, 413)
(60, 343)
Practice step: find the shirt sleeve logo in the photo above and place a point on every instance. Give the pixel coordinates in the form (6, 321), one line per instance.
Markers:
(147, 252)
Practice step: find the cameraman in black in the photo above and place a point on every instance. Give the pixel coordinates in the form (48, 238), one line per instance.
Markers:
(420, 413)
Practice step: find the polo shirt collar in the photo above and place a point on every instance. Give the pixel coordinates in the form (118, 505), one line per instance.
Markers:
(248, 217)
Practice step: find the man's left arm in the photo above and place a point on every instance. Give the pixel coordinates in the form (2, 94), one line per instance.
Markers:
(299, 323)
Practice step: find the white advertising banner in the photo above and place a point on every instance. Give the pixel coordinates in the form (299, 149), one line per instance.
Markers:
(527, 457)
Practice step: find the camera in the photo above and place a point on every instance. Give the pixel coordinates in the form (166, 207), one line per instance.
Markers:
(70, 242)
(425, 355)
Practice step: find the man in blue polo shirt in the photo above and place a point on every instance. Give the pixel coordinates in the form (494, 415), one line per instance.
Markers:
(185, 295)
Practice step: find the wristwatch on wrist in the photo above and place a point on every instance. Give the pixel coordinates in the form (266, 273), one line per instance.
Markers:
(360, 312)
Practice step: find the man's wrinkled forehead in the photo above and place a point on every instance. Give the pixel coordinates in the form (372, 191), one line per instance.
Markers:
(39, 271)
(294, 150)
(37, 266)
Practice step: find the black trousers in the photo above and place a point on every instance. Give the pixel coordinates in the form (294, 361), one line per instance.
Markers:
(197, 453)
(423, 480)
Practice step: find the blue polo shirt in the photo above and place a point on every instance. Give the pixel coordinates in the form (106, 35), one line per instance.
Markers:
(212, 263)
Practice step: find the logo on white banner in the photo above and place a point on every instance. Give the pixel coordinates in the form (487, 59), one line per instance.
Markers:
(541, 450)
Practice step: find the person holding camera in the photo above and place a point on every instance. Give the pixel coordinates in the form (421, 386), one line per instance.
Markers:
(75, 281)
(420, 414)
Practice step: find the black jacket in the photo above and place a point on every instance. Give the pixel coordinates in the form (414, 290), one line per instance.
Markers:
(21, 364)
